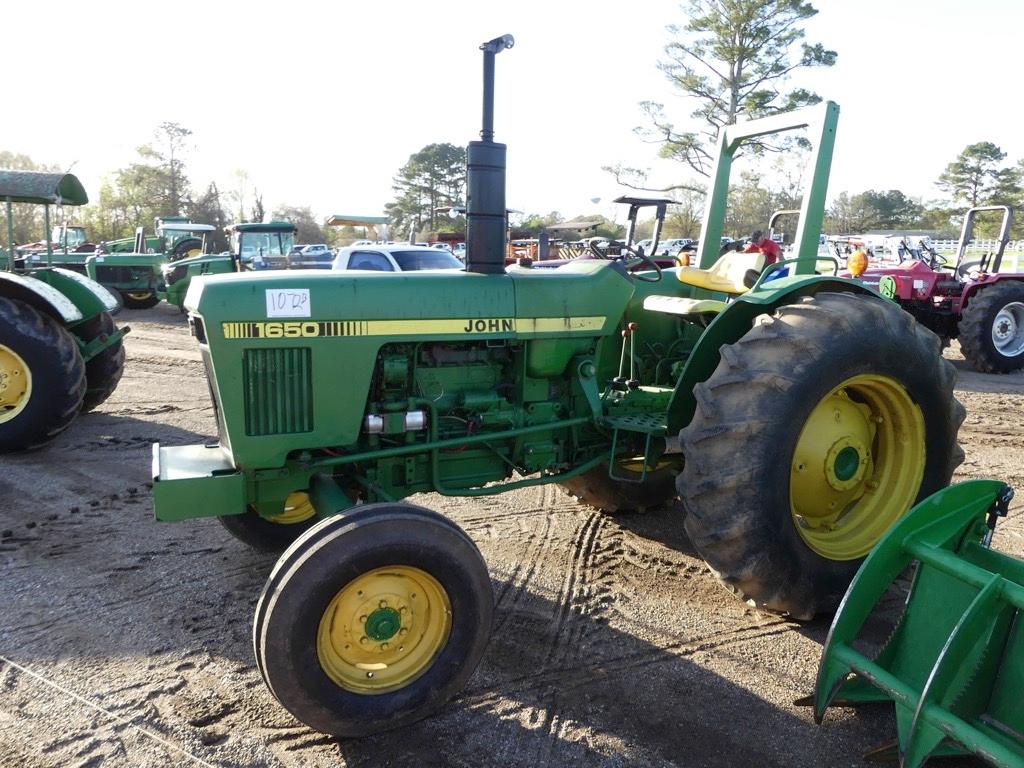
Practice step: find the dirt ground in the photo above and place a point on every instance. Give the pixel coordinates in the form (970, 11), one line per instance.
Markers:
(126, 642)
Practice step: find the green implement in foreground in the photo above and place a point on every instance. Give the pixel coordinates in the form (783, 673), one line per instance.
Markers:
(954, 665)
(797, 419)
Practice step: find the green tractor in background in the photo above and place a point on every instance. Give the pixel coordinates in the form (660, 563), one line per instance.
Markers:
(65, 238)
(134, 271)
(255, 246)
(811, 414)
(170, 236)
(60, 351)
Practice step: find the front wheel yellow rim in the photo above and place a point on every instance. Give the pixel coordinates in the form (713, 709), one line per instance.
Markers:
(138, 295)
(15, 384)
(858, 466)
(384, 629)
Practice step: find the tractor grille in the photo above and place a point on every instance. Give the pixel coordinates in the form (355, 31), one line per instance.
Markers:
(278, 385)
(122, 274)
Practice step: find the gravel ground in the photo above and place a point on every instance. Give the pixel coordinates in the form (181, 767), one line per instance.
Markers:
(126, 642)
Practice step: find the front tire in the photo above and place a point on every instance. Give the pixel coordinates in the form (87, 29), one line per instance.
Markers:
(102, 372)
(42, 377)
(373, 619)
(992, 328)
(817, 431)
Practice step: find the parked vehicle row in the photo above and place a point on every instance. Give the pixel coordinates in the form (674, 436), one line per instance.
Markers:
(396, 258)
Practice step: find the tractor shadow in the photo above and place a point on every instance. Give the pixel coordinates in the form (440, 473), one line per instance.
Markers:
(571, 689)
(568, 679)
(663, 524)
(111, 430)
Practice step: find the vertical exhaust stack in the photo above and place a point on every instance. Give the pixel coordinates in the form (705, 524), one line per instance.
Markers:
(485, 181)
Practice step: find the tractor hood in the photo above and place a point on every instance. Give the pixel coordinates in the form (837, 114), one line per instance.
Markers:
(287, 350)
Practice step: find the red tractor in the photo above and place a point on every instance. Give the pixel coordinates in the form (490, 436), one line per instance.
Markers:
(969, 301)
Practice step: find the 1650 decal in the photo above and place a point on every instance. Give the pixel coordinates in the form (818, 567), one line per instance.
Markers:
(486, 326)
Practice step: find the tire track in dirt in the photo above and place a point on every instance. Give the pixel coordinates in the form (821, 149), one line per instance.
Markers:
(578, 604)
(552, 500)
(517, 585)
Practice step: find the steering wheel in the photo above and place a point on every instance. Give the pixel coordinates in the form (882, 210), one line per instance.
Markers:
(935, 260)
(639, 257)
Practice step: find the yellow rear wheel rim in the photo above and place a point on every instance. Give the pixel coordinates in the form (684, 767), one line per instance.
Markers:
(15, 384)
(297, 509)
(384, 629)
(857, 467)
(636, 465)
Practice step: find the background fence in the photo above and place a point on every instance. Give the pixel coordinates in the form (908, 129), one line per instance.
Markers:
(1013, 257)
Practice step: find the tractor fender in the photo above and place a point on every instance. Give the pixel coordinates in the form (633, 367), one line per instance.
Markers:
(40, 296)
(972, 288)
(733, 322)
(90, 297)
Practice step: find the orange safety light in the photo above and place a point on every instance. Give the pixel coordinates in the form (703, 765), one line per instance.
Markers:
(857, 263)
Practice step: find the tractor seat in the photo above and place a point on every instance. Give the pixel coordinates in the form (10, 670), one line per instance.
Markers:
(726, 275)
(676, 305)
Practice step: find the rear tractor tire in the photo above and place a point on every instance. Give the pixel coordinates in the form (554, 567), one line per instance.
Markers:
(598, 490)
(818, 430)
(42, 377)
(373, 619)
(273, 534)
(992, 328)
(102, 372)
(192, 246)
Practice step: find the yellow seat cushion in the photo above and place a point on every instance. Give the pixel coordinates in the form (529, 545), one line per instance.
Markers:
(725, 275)
(676, 305)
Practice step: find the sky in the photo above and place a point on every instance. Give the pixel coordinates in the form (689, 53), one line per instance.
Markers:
(322, 103)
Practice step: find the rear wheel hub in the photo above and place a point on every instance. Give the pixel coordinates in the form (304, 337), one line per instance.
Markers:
(857, 467)
(15, 384)
(1008, 329)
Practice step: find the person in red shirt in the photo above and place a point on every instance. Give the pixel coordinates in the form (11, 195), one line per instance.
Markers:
(761, 244)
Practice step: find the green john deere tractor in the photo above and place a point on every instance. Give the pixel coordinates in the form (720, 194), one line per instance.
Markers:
(133, 267)
(60, 351)
(810, 413)
(254, 246)
(65, 239)
(170, 236)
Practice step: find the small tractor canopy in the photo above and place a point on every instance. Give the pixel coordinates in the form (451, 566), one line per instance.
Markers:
(253, 242)
(369, 223)
(578, 225)
(42, 188)
(185, 226)
(340, 220)
(258, 226)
